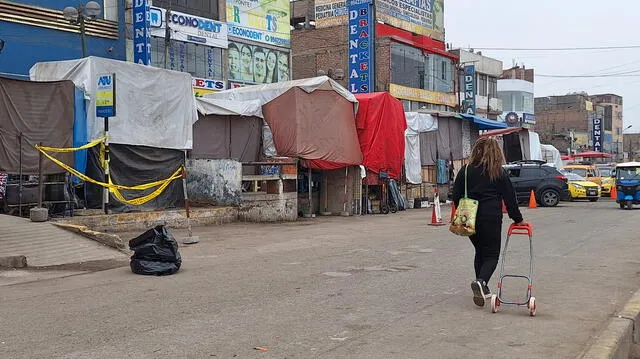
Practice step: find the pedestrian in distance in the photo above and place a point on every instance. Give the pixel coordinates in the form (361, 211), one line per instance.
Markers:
(489, 184)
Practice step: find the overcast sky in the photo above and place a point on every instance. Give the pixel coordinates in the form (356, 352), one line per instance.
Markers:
(554, 24)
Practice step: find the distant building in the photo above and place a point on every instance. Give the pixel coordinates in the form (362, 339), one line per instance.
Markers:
(568, 123)
(516, 89)
(631, 147)
(612, 105)
(487, 72)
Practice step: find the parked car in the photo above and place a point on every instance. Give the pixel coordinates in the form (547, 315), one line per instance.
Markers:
(580, 188)
(605, 174)
(586, 170)
(549, 185)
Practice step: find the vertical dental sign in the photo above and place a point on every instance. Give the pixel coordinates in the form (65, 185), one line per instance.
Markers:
(361, 46)
(141, 35)
(597, 134)
(469, 102)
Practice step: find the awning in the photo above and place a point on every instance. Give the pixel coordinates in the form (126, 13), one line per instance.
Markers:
(501, 132)
(483, 123)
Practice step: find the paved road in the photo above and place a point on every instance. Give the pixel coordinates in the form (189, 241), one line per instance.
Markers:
(372, 287)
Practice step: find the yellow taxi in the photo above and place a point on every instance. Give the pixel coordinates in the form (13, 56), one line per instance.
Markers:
(605, 174)
(581, 188)
(588, 171)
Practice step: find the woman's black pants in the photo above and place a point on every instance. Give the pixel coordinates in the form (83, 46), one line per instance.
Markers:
(487, 242)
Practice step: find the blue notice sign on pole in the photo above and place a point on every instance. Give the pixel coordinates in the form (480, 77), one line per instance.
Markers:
(597, 134)
(361, 46)
(141, 35)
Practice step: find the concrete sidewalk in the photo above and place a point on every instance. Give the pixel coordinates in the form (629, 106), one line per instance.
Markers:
(45, 245)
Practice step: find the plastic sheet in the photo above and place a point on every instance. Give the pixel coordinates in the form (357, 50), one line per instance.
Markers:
(155, 253)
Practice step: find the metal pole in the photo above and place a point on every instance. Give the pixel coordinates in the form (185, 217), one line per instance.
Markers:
(310, 184)
(20, 177)
(167, 35)
(346, 176)
(40, 179)
(82, 39)
(105, 199)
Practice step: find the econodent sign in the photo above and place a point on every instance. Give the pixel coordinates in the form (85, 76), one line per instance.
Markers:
(188, 28)
(424, 17)
(420, 95)
(265, 21)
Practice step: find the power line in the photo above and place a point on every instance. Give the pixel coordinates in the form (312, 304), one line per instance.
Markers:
(557, 48)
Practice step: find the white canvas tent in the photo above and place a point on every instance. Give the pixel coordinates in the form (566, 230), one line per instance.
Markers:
(154, 107)
(552, 156)
(416, 123)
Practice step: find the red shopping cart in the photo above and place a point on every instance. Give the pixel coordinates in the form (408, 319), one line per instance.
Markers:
(496, 299)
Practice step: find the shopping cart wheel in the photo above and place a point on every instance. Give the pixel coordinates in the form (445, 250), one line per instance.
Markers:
(532, 306)
(495, 303)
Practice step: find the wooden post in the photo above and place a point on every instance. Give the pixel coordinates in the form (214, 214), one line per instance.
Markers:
(20, 176)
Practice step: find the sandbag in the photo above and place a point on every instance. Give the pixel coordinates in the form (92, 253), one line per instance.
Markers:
(155, 252)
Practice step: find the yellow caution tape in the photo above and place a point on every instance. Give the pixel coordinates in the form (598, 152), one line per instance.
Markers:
(66, 150)
(114, 188)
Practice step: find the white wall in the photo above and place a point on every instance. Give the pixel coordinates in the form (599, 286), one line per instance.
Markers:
(515, 85)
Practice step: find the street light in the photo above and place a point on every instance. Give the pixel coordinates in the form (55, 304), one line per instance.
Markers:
(79, 15)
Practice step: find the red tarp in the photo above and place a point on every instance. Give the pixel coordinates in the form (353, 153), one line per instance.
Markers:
(317, 127)
(592, 154)
(381, 124)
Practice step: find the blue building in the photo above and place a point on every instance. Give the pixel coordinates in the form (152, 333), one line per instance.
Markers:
(35, 30)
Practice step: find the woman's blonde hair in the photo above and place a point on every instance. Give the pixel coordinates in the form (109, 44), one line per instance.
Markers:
(486, 153)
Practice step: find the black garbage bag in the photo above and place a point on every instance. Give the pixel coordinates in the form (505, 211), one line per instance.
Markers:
(155, 252)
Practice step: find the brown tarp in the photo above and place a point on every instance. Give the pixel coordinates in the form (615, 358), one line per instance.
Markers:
(43, 112)
(318, 127)
(227, 137)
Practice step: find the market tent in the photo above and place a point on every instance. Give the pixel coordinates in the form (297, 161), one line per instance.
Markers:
(484, 123)
(26, 110)
(592, 154)
(227, 130)
(381, 126)
(312, 119)
(550, 154)
(451, 142)
(152, 127)
(518, 143)
(417, 123)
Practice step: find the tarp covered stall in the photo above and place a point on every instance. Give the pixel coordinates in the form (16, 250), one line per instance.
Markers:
(228, 130)
(42, 112)
(152, 127)
(155, 107)
(381, 126)
(417, 123)
(552, 156)
(312, 119)
(451, 142)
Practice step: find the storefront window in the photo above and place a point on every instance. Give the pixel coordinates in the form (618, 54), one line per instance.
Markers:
(198, 60)
(412, 68)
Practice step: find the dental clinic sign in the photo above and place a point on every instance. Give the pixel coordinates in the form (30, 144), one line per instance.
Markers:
(597, 134)
(141, 35)
(469, 102)
(361, 46)
(188, 28)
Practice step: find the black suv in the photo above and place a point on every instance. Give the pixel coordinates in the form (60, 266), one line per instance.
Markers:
(548, 184)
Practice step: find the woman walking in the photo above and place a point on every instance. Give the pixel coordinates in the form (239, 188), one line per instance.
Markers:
(489, 184)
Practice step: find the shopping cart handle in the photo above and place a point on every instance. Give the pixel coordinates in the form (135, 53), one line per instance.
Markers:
(526, 229)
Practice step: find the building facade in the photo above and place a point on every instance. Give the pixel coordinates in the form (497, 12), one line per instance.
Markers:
(631, 147)
(487, 70)
(516, 90)
(572, 123)
(613, 119)
(222, 44)
(34, 31)
(411, 61)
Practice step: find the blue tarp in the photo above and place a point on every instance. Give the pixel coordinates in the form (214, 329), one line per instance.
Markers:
(484, 123)
(80, 136)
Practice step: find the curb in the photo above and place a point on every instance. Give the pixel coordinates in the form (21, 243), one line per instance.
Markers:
(13, 262)
(621, 338)
(107, 239)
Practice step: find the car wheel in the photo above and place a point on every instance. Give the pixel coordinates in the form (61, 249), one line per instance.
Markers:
(550, 198)
(622, 204)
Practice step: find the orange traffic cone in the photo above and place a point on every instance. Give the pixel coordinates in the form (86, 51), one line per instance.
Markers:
(532, 200)
(434, 218)
(453, 211)
(614, 192)
(504, 207)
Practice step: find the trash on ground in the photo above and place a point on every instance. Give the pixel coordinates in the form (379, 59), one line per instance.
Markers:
(155, 253)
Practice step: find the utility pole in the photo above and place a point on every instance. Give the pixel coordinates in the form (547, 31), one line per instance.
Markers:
(167, 34)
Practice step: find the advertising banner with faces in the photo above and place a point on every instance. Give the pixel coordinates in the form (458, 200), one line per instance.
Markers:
(250, 65)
